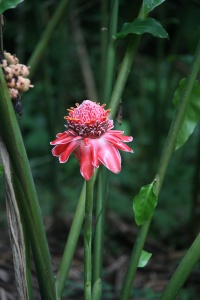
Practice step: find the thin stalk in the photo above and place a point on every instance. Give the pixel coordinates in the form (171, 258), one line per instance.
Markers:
(123, 74)
(162, 168)
(183, 271)
(104, 42)
(88, 239)
(71, 244)
(99, 230)
(13, 140)
(133, 263)
(46, 36)
(111, 55)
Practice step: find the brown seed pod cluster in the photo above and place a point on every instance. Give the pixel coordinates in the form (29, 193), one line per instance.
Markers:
(16, 78)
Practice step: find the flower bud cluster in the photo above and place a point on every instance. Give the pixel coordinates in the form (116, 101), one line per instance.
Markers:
(16, 76)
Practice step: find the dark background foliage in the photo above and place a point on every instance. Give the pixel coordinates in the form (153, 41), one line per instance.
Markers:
(147, 109)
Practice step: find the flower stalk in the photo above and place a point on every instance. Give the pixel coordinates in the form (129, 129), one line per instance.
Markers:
(88, 240)
(71, 244)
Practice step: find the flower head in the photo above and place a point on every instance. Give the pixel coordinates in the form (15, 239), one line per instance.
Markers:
(90, 138)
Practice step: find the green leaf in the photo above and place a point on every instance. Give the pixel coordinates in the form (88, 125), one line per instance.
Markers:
(192, 115)
(149, 5)
(144, 204)
(144, 259)
(140, 26)
(7, 4)
(1, 170)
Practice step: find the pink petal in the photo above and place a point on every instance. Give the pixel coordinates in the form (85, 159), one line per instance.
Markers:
(69, 149)
(86, 166)
(94, 144)
(59, 136)
(115, 141)
(57, 150)
(109, 156)
(68, 139)
(119, 135)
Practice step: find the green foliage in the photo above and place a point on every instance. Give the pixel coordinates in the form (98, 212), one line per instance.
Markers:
(149, 5)
(140, 26)
(144, 259)
(144, 204)
(1, 170)
(193, 112)
(7, 4)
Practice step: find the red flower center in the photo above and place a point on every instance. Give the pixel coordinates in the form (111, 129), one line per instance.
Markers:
(89, 119)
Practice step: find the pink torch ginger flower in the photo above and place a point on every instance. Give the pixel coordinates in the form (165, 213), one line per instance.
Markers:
(90, 138)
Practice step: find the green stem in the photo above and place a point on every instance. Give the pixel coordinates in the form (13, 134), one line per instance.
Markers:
(99, 230)
(71, 244)
(133, 263)
(104, 42)
(162, 168)
(183, 271)
(123, 74)
(111, 55)
(88, 239)
(46, 36)
(13, 140)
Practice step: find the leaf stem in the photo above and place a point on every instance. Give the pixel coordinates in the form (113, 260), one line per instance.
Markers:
(88, 239)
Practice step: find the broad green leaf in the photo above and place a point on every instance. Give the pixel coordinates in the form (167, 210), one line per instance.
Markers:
(7, 4)
(144, 204)
(149, 5)
(192, 115)
(140, 26)
(1, 170)
(144, 259)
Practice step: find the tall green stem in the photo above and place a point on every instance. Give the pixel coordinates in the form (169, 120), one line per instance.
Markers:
(123, 74)
(111, 55)
(183, 271)
(88, 239)
(99, 230)
(44, 40)
(13, 140)
(162, 168)
(71, 244)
